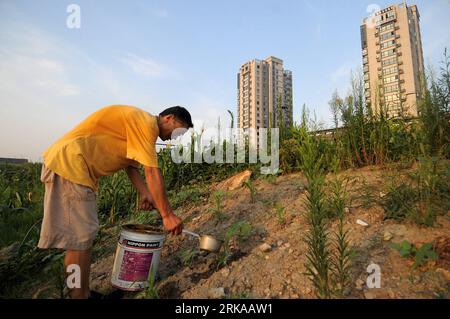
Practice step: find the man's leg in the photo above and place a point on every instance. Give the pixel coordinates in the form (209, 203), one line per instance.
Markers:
(81, 258)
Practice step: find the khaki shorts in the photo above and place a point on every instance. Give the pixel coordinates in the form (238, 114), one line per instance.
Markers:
(70, 214)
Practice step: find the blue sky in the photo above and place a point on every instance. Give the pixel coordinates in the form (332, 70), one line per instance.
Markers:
(155, 54)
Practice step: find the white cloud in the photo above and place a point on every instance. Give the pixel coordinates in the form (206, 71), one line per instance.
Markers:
(206, 112)
(340, 78)
(47, 86)
(26, 69)
(34, 83)
(145, 66)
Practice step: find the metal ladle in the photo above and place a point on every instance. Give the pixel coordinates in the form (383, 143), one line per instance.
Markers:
(208, 243)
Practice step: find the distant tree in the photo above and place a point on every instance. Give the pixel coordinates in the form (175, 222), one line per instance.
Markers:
(336, 103)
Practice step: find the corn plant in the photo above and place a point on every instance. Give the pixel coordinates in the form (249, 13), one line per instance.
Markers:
(241, 231)
(117, 197)
(251, 187)
(216, 200)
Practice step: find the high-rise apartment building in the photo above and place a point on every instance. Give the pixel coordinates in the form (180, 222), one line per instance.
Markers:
(264, 94)
(393, 59)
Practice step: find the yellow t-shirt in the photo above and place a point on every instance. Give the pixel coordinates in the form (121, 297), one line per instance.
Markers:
(108, 140)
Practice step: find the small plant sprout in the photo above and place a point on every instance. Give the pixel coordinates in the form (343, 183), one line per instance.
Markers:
(216, 201)
(241, 231)
(187, 256)
(251, 187)
(152, 292)
(280, 213)
(421, 255)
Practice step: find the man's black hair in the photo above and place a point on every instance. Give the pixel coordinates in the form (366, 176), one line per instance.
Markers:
(180, 113)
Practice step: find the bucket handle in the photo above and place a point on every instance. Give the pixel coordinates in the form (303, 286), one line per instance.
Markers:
(191, 233)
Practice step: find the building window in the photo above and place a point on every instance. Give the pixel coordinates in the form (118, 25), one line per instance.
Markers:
(389, 61)
(390, 70)
(391, 88)
(391, 97)
(391, 79)
(388, 53)
(387, 27)
(387, 35)
(387, 44)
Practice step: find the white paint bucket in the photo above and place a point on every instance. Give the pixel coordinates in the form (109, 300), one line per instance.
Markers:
(137, 256)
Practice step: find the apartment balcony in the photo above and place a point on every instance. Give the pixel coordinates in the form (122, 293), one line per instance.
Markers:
(400, 62)
(403, 99)
(402, 81)
(397, 36)
(398, 45)
(393, 18)
(397, 28)
(399, 54)
(401, 71)
(402, 91)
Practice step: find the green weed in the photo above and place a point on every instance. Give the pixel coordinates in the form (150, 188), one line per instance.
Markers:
(421, 255)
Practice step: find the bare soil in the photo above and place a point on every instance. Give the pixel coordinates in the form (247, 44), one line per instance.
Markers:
(279, 273)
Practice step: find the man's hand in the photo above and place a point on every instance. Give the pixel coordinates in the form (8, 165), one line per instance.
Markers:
(173, 224)
(146, 202)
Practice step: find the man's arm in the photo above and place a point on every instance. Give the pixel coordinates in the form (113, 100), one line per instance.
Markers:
(155, 184)
(138, 182)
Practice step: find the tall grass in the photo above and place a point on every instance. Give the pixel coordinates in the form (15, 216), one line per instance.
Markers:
(422, 195)
(434, 110)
